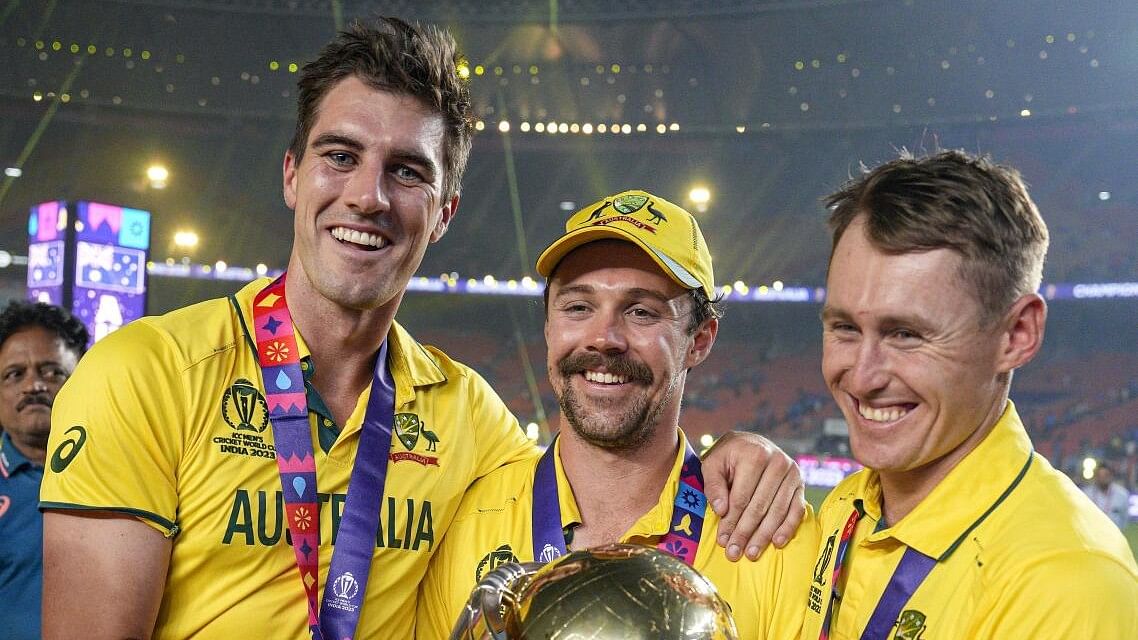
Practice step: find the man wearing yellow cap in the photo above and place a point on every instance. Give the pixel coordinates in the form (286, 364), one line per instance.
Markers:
(630, 309)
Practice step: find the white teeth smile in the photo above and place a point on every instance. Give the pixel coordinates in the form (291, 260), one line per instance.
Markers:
(355, 237)
(605, 378)
(889, 414)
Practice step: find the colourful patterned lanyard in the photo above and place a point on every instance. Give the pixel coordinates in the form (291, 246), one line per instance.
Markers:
(839, 564)
(292, 437)
(910, 573)
(681, 541)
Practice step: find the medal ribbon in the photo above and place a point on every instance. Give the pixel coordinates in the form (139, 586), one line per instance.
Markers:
(909, 574)
(681, 541)
(839, 564)
(283, 380)
(907, 577)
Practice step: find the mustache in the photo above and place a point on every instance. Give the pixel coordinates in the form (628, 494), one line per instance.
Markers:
(618, 365)
(34, 398)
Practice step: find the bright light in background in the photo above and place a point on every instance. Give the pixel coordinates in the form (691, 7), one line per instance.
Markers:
(262, 269)
(567, 205)
(1104, 195)
(13, 172)
(220, 266)
(700, 196)
(5, 259)
(532, 431)
(706, 440)
(504, 126)
(1089, 466)
(777, 285)
(157, 175)
(186, 239)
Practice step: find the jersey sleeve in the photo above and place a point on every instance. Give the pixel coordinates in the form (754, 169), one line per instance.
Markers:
(499, 437)
(116, 431)
(788, 582)
(1063, 596)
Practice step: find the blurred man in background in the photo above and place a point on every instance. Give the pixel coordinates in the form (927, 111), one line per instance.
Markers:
(1108, 495)
(39, 347)
(956, 528)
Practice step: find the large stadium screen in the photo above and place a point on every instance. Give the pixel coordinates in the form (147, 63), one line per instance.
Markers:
(47, 232)
(111, 249)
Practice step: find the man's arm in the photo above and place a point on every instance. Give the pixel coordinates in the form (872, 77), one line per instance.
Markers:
(103, 575)
(756, 489)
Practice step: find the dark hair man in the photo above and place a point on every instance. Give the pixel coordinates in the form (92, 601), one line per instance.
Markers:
(956, 528)
(39, 347)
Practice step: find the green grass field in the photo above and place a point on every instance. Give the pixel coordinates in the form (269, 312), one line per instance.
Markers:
(815, 496)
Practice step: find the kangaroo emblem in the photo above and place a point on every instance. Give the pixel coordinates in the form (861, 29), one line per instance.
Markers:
(597, 212)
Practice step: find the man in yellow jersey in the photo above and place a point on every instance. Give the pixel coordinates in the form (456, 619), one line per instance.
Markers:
(200, 465)
(630, 309)
(956, 528)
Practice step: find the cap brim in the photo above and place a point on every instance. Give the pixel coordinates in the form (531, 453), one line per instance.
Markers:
(549, 258)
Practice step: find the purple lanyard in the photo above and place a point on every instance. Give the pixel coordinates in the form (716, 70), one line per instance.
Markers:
(681, 541)
(910, 573)
(281, 374)
(907, 577)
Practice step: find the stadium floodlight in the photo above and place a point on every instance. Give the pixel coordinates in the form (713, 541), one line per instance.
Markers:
(700, 196)
(158, 176)
(186, 239)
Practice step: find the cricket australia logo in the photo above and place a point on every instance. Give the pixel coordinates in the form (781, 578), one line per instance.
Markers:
(910, 625)
(496, 558)
(243, 407)
(624, 206)
(408, 429)
(345, 588)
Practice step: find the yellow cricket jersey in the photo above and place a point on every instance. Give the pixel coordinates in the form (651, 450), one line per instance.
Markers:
(166, 420)
(493, 527)
(1021, 553)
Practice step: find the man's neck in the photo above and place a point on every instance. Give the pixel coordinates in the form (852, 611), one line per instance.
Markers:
(614, 489)
(902, 491)
(35, 452)
(343, 343)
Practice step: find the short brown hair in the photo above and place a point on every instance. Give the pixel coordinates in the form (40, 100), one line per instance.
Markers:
(392, 55)
(952, 200)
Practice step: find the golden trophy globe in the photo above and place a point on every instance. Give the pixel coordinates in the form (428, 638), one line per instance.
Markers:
(614, 592)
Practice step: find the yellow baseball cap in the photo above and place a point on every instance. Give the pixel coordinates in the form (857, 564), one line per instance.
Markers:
(666, 232)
